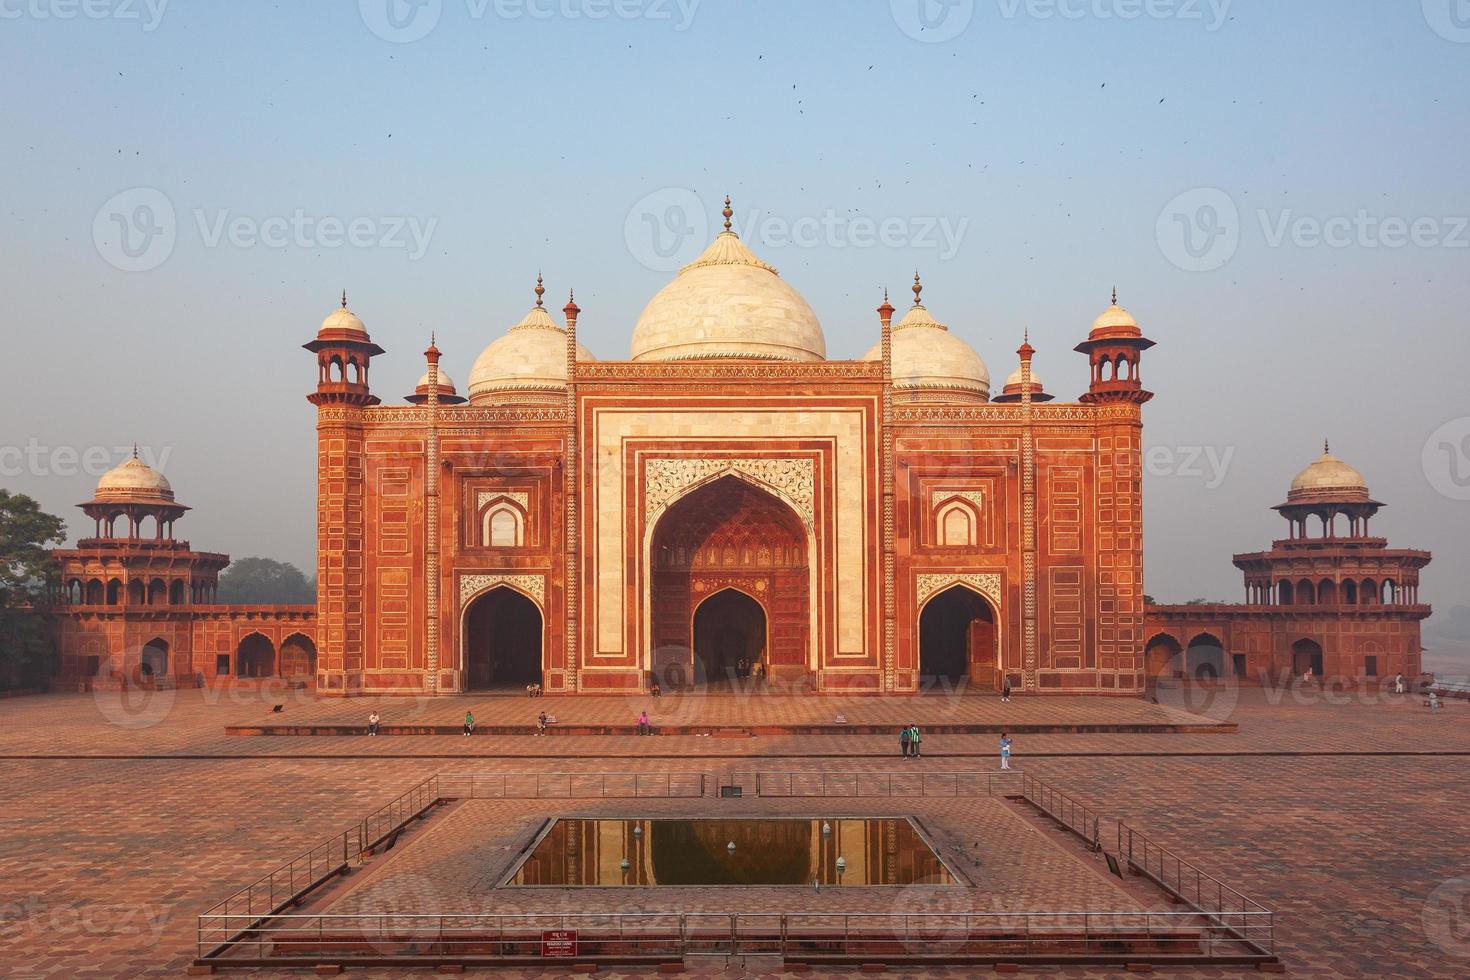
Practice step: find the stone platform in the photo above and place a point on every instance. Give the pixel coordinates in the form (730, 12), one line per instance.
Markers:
(757, 713)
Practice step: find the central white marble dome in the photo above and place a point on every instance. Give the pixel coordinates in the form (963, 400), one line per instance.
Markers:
(728, 303)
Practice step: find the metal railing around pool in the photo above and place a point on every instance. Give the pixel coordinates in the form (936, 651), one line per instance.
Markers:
(570, 785)
(1052, 937)
(1223, 906)
(881, 784)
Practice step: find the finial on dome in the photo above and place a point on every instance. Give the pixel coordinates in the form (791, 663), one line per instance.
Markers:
(918, 288)
(1115, 295)
(540, 289)
(885, 294)
(344, 299)
(432, 339)
(728, 212)
(1326, 450)
(1025, 335)
(135, 450)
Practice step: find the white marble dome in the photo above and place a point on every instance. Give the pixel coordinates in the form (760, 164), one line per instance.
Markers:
(133, 479)
(446, 383)
(1115, 322)
(1013, 380)
(728, 303)
(1328, 475)
(928, 358)
(531, 358)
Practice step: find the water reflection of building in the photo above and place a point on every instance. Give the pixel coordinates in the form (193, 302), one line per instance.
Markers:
(697, 853)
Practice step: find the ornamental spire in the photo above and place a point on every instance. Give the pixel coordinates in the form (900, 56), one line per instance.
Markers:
(344, 299)
(1326, 451)
(1115, 295)
(540, 289)
(918, 288)
(728, 212)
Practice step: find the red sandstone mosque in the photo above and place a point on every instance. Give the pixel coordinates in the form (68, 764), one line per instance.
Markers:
(727, 500)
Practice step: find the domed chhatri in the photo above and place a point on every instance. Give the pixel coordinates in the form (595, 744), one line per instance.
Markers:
(728, 304)
(1114, 322)
(528, 364)
(929, 362)
(448, 394)
(133, 480)
(1011, 392)
(342, 324)
(1329, 477)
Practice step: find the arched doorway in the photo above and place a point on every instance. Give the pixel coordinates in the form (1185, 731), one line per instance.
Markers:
(255, 657)
(1162, 657)
(502, 640)
(298, 656)
(1304, 654)
(1205, 658)
(729, 633)
(957, 640)
(153, 661)
(729, 535)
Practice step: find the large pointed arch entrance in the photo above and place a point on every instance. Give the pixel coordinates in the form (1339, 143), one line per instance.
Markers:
(502, 640)
(740, 551)
(959, 640)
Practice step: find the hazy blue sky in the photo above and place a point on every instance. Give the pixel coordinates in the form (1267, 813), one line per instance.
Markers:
(1026, 156)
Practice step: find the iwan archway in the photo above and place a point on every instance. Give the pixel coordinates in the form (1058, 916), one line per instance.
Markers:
(502, 640)
(728, 536)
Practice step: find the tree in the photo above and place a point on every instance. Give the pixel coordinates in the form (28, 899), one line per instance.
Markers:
(262, 581)
(27, 573)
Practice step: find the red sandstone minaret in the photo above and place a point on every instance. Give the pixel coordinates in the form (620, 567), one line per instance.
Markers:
(343, 350)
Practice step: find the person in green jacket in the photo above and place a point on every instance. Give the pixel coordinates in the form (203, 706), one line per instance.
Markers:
(914, 740)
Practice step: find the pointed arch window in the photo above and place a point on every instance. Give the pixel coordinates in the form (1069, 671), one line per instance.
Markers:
(503, 525)
(956, 523)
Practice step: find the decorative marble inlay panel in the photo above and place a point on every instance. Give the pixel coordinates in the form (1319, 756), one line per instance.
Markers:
(472, 585)
(519, 496)
(702, 586)
(976, 497)
(794, 478)
(986, 583)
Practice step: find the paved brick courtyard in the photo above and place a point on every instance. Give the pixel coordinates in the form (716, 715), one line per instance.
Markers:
(105, 859)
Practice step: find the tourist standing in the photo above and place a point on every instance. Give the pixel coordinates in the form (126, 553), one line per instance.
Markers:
(541, 723)
(1433, 702)
(1005, 751)
(373, 723)
(1005, 689)
(914, 740)
(904, 734)
(1398, 683)
(469, 722)
(643, 726)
